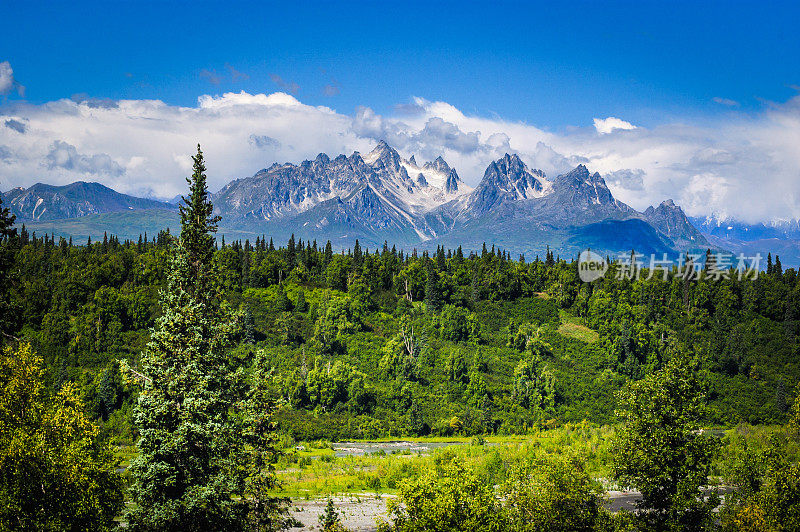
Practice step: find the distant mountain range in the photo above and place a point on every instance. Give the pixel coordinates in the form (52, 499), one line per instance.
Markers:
(49, 202)
(382, 197)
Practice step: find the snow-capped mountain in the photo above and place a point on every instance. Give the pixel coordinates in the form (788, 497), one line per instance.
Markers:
(779, 237)
(506, 180)
(732, 229)
(523, 211)
(50, 202)
(383, 197)
(380, 190)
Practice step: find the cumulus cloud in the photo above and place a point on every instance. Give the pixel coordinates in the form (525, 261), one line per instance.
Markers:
(66, 156)
(264, 142)
(607, 125)
(744, 165)
(7, 82)
(438, 132)
(16, 125)
(93, 102)
(627, 179)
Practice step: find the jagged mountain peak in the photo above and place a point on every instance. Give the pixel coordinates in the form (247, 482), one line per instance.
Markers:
(382, 151)
(511, 173)
(438, 164)
(451, 185)
(671, 221)
(579, 173)
(507, 179)
(582, 188)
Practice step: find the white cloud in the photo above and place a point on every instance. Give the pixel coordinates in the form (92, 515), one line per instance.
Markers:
(66, 156)
(6, 77)
(607, 125)
(725, 101)
(742, 165)
(7, 82)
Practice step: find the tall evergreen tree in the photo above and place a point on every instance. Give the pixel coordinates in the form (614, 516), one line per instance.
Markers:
(197, 227)
(440, 260)
(433, 292)
(191, 448)
(7, 232)
(358, 257)
(290, 253)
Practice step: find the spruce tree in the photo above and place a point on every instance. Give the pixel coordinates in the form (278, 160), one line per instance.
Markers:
(475, 284)
(290, 253)
(433, 292)
(190, 447)
(7, 232)
(357, 257)
(197, 227)
(302, 304)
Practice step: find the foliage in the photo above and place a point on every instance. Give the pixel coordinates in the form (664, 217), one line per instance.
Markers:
(191, 449)
(266, 511)
(660, 449)
(330, 520)
(56, 472)
(7, 232)
(768, 492)
(552, 493)
(449, 497)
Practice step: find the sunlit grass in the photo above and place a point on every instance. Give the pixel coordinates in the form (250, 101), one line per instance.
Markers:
(572, 327)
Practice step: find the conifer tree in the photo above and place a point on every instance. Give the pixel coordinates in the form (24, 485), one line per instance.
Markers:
(198, 223)
(357, 257)
(441, 265)
(282, 302)
(290, 253)
(6, 261)
(191, 449)
(433, 292)
(302, 304)
(475, 284)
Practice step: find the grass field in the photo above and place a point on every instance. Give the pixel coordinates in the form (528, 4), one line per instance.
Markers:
(572, 327)
(316, 472)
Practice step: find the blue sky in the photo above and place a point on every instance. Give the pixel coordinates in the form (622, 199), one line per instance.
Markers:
(697, 102)
(552, 65)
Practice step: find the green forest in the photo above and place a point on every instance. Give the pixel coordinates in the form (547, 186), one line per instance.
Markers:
(199, 365)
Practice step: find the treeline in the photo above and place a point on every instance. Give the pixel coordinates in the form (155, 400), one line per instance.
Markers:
(339, 326)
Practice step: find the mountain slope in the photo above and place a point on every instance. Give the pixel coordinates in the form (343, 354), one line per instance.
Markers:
(50, 202)
(671, 221)
(377, 192)
(383, 197)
